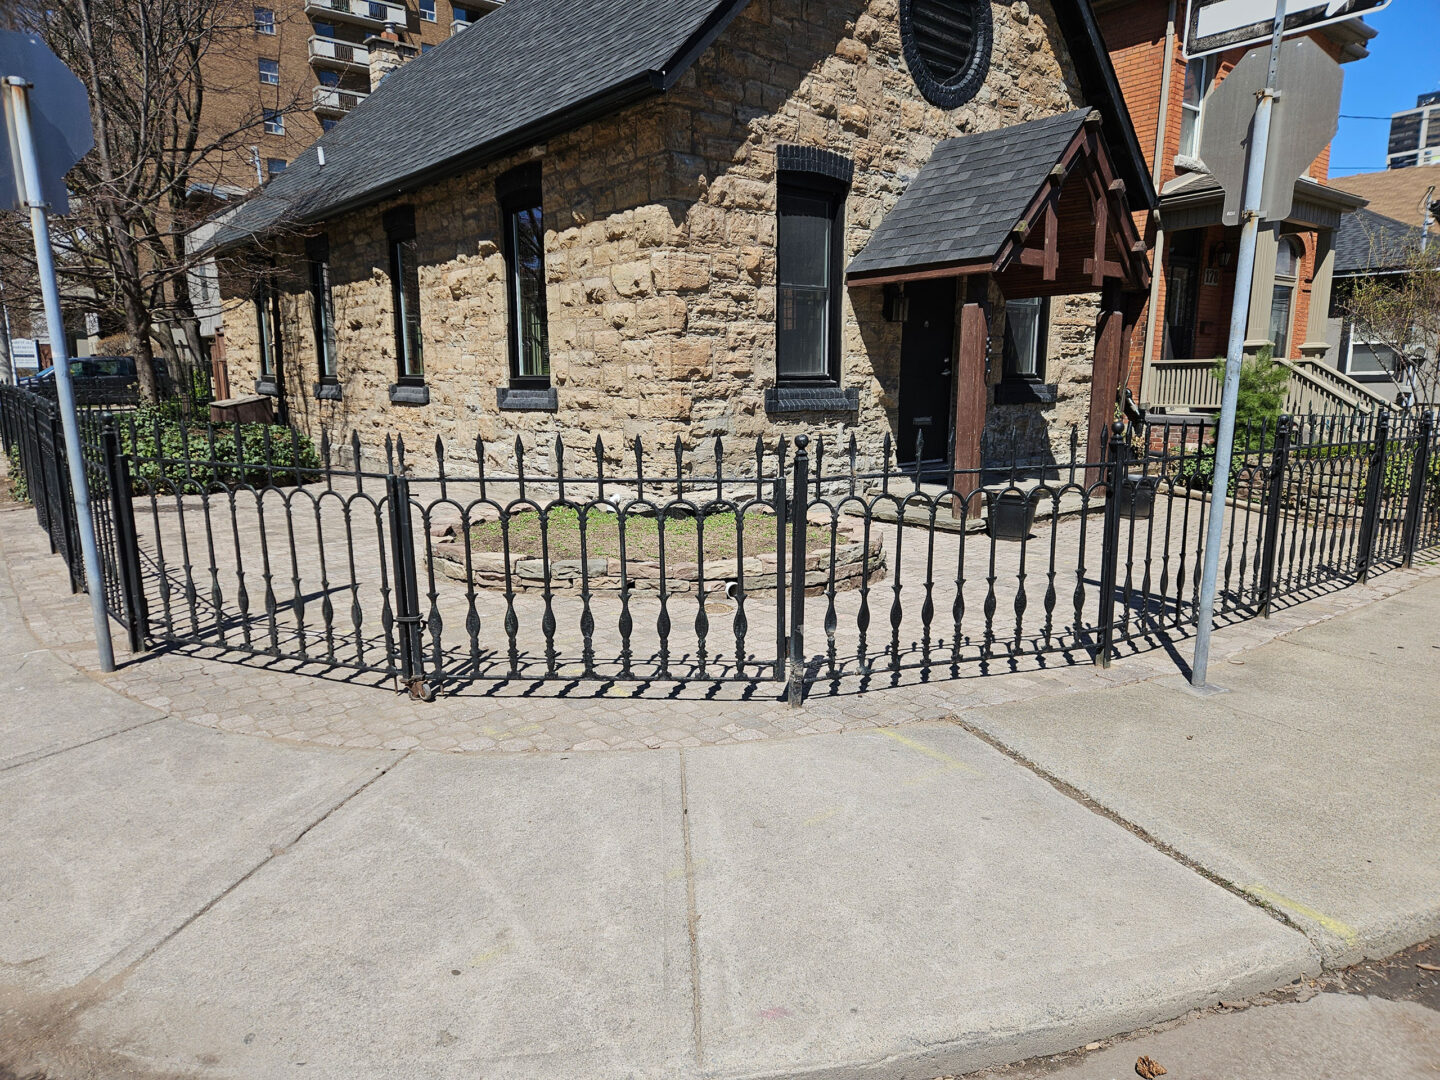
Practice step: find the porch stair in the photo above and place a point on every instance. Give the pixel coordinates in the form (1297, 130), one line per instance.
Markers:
(1180, 385)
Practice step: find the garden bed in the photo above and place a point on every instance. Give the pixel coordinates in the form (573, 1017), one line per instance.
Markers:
(599, 565)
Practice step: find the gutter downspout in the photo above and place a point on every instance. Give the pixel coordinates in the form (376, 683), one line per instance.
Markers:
(1157, 276)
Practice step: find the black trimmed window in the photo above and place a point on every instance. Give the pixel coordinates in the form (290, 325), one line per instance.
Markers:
(322, 309)
(522, 215)
(947, 47)
(405, 295)
(267, 340)
(1027, 322)
(810, 233)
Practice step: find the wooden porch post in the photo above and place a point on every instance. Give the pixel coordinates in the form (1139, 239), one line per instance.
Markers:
(1114, 327)
(970, 388)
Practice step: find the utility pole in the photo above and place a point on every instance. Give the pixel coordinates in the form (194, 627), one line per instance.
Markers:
(30, 192)
(1235, 352)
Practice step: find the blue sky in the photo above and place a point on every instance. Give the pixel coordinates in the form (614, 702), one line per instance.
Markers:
(1404, 61)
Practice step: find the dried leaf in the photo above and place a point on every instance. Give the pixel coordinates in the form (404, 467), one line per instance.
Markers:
(1428, 967)
(1148, 1068)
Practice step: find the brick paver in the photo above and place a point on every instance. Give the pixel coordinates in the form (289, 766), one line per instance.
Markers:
(331, 707)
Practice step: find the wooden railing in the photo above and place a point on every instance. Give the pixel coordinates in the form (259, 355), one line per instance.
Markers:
(1190, 384)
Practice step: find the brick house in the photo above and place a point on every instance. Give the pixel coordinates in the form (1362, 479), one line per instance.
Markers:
(698, 218)
(1186, 321)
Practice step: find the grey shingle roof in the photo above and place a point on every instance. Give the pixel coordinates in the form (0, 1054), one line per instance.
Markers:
(968, 196)
(1369, 242)
(534, 68)
(524, 65)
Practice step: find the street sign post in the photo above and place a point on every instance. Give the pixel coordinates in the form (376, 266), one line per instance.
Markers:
(43, 97)
(1213, 26)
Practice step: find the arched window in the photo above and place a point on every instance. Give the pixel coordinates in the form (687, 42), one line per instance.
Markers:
(947, 47)
(1282, 301)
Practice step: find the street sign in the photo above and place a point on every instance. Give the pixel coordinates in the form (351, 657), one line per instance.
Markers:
(1305, 115)
(24, 352)
(1213, 26)
(59, 114)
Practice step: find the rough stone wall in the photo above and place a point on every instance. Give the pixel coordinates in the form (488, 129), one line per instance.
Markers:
(660, 250)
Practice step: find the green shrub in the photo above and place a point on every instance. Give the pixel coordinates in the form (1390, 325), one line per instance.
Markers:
(167, 455)
(1263, 385)
(19, 485)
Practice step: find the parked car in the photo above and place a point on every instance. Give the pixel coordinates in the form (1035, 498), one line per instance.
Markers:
(98, 380)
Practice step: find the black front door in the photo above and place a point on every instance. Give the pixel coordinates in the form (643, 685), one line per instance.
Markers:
(927, 351)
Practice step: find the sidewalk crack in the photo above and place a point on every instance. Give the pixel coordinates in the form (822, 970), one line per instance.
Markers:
(692, 917)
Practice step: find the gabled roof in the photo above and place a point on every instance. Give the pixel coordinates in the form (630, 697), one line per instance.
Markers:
(1370, 243)
(535, 68)
(969, 196)
(1397, 193)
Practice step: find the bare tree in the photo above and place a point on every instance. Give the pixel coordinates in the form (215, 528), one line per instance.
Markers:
(1397, 307)
(172, 114)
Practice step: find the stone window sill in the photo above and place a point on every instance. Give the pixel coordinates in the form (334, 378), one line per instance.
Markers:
(328, 391)
(528, 399)
(1026, 392)
(409, 394)
(268, 387)
(797, 399)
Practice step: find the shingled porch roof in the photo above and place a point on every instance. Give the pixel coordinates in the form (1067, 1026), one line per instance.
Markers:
(982, 201)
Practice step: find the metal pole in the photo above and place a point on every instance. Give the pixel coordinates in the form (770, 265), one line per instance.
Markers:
(1235, 353)
(28, 180)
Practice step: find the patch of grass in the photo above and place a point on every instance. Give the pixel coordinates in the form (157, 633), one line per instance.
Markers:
(642, 535)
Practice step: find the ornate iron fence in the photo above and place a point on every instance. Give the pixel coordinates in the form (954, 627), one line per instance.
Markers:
(780, 564)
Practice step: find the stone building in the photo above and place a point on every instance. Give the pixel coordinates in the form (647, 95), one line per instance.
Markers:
(696, 218)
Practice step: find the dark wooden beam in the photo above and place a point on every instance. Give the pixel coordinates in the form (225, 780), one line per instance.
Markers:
(970, 394)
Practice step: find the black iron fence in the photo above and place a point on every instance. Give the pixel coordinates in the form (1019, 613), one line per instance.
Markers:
(792, 564)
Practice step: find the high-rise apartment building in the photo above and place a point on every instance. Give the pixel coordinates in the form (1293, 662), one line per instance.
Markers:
(303, 65)
(1415, 134)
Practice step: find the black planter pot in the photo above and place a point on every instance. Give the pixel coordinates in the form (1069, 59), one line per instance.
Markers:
(1012, 515)
(1137, 497)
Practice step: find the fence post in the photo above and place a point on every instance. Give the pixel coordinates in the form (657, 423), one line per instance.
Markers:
(799, 521)
(407, 589)
(1279, 463)
(782, 570)
(1110, 541)
(1418, 476)
(127, 544)
(61, 508)
(1370, 515)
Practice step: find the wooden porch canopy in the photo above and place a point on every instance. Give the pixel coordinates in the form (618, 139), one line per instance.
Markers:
(1037, 210)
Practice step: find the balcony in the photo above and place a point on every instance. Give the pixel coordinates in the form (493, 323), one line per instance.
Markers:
(475, 8)
(369, 13)
(338, 55)
(333, 101)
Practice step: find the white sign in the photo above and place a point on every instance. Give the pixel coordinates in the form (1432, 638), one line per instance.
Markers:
(23, 352)
(1214, 26)
(92, 323)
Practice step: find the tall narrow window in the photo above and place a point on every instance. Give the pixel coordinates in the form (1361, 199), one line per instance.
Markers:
(405, 294)
(1199, 74)
(1025, 325)
(322, 308)
(1282, 298)
(524, 221)
(265, 341)
(809, 234)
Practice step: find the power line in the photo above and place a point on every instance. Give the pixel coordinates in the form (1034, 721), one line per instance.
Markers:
(1356, 116)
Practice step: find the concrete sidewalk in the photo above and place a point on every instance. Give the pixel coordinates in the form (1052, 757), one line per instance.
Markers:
(899, 902)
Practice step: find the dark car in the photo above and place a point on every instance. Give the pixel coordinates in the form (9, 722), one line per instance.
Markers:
(98, 380)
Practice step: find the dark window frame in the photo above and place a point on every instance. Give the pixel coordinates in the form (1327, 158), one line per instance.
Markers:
(792, 184)
(400, 238)
(517, 191)
(267, 325)
(322, 311)
(1011, 370)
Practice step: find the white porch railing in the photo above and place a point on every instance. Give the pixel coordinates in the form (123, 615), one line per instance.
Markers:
(1314, 387)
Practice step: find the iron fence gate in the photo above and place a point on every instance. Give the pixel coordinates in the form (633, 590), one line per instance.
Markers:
(793, 565)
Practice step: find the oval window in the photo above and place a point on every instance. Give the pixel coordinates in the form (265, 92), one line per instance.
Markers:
(947, 47)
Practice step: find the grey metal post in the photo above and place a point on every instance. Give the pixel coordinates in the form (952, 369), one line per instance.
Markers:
(28, 179)
(1235, 354)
